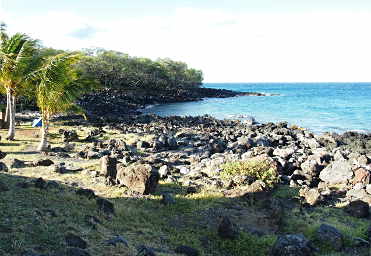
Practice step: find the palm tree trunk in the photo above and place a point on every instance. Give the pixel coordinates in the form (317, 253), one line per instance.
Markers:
(11, 131)
(43, 146)
(7, 111)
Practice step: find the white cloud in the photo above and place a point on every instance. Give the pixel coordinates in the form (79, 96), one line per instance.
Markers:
(227, 47)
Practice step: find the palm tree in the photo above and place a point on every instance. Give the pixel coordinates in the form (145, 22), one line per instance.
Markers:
(56, 89)
(16, 59)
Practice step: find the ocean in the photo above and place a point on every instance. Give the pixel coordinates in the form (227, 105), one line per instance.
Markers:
(319, 107)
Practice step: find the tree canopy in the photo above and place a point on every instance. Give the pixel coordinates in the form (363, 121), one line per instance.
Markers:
(120, 71)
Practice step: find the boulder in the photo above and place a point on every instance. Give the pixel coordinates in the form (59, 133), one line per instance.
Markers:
(362, 175)
(43, 162)
(310, 167)
(68, 136)
(368, 189)
(330, 236)
(15, 163)
(217, 146)
(227, 229)
(357, 192)
(143, 145)
(292, 245)
(284, 153)
(2, 154)
(337, 172)
(163, 171)
(60, 168)
(75, 241)
(312, 196)
(3, 167)
(40, 183)
(358, 209)
(108, 166)
(140, 178)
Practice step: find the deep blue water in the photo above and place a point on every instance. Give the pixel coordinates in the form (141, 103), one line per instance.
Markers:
(320, 107)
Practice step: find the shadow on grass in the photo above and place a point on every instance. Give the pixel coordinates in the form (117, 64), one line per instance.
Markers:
(38, 219)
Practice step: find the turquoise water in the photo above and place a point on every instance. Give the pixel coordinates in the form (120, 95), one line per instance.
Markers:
(320, 107)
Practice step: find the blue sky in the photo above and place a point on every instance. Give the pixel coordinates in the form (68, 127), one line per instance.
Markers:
(231, 41)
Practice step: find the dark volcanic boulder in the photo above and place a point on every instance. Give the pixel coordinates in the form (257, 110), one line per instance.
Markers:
(330, 236)
(227, 229)
(143, 144)
(140, 178)
(108, 166)
(3, 167)
(75, 241)
(2, 154)
(68, 136)
(43, 162)
(15, 163)
(358, 209)
(292, 245)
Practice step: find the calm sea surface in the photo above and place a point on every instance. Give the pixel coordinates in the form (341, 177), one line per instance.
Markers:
(332, 107)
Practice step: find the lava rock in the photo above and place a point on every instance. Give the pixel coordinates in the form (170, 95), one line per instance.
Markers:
(358, 209)
(3, 167)
(109, 166)
(15, 163)
(40, 183)
(2, 154)
(227, 229)
(43, 162)
(143, 145)
(140, 178)
(292, 245)
(337, 172)
(330, 236)
(75, 241)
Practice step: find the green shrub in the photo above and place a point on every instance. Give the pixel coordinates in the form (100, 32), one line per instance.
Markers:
(256, 169)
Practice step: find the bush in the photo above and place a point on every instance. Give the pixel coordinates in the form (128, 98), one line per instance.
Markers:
(262, 170)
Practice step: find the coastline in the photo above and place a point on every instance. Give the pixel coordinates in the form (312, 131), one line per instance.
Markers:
(112, 104)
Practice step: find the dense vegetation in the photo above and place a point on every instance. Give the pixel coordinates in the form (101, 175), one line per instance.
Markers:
(26, 68)
(121, 71)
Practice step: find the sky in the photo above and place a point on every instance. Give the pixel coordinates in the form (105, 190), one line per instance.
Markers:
(229, 40)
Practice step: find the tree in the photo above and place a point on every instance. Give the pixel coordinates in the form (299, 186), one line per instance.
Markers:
(16, 63)
(57, 89)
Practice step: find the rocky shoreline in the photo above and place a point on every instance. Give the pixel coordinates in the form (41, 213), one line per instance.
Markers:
(114, 104)
(201, 145)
